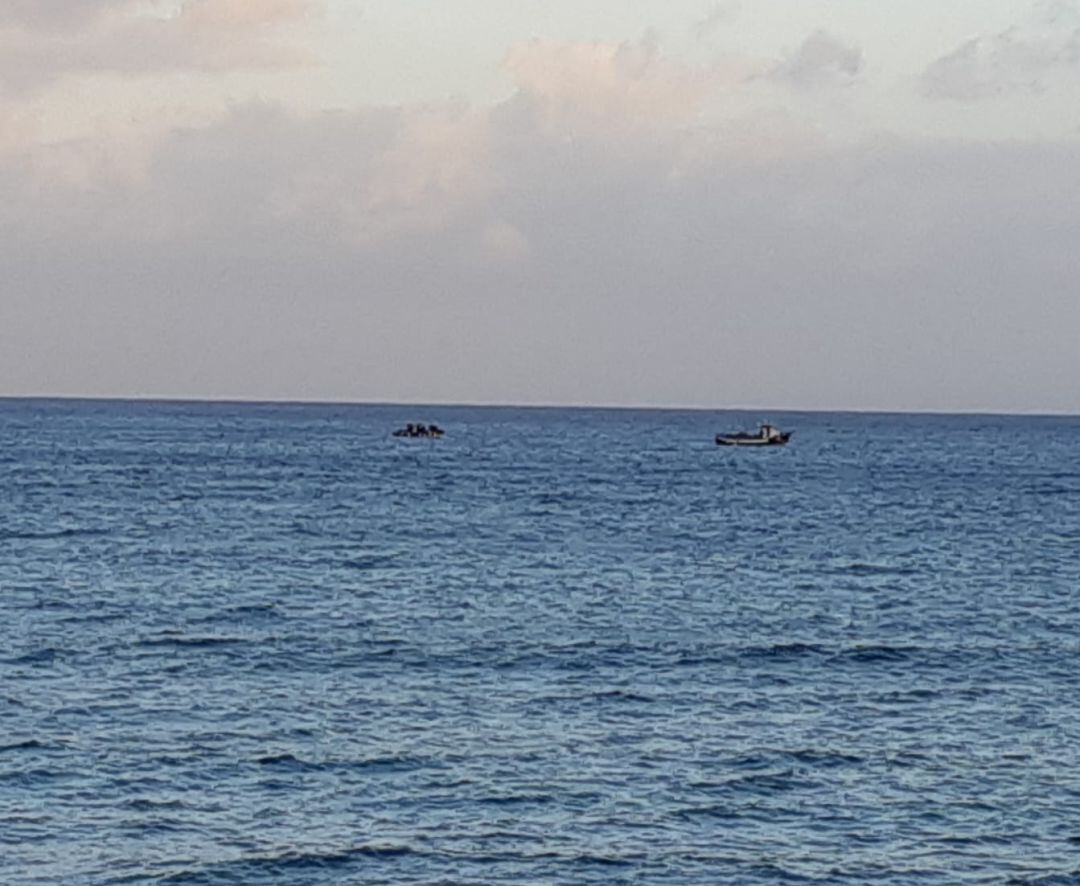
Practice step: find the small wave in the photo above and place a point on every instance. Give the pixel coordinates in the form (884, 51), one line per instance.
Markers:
(825, 759)
(766, 783)
(908, 759)
(25, 819)
(876, 653)
(371, 561)
(38, 657)
(31, 777)
(48, 535)
(758, 780)
(574, 859)
(516, 800)
(240, 612)
(143, 805)
(392, 763)
(782, 650)
(556, 498)
(693, 661)
(244, 869)
(979, 840)
(93, 618)
(715, 810)
(1070, 879)
(253, 609)
(143, 828)
(613, 861)
(287, 761)
(1052, 490)
(29, 745)
(387, 764)
(859, 568)
(754, 761)
(623, 695)
(196, 642)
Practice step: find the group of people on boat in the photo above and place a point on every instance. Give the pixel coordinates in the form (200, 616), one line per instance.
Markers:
(419, 430)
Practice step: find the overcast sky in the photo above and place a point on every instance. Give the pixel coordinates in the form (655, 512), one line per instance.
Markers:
(770, 203)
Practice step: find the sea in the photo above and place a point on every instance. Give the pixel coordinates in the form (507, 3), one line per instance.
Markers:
(273, 644)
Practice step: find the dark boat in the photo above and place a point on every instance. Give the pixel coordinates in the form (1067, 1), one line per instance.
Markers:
(767, 435)
(421, 430)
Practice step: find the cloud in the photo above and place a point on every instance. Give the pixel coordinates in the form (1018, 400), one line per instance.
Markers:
(60, 15)
(586, 84)
(60, 39)
(625, 100)
(1015, 61)
(18, 130)
(243, 14)
(820, 60)
(1057, 13)
(720, 14)
(583, 241)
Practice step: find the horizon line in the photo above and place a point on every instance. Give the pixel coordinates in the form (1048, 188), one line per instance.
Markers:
(611, 407)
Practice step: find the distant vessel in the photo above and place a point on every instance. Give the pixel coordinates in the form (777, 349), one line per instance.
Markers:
(767, 435)
(411, 430)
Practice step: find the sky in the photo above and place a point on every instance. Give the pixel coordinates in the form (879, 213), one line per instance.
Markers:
(772, 204)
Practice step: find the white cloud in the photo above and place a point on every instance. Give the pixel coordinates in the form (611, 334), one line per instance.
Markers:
(720, 14)
(1022, 59)
(582, 85)
(820, 60)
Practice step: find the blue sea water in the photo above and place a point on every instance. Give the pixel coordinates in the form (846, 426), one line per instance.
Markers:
(272, 644)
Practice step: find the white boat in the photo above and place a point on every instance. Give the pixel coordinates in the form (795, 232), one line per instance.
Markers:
(767, 435)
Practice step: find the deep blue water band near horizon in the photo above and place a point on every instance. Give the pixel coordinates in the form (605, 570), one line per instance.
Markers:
(249, 643)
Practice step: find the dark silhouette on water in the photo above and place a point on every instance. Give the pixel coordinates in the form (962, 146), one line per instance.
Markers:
(767, 435)
(419, 430)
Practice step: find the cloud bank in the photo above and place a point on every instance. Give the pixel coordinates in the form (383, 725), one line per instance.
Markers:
(42, 41)
(1022, 59)
(601, 236)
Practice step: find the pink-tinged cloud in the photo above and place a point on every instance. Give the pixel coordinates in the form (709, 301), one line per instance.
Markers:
(18, 130)
(590, 85)
(128, 38)
(60, 15)
(591, 115)
(245, 14)
(437, 166)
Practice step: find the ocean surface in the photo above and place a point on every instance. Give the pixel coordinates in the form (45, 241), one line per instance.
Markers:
(272, 644)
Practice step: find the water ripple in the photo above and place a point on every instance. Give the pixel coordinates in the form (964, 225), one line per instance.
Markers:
(271, 644)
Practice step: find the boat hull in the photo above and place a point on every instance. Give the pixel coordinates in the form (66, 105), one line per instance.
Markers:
(730, 440)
